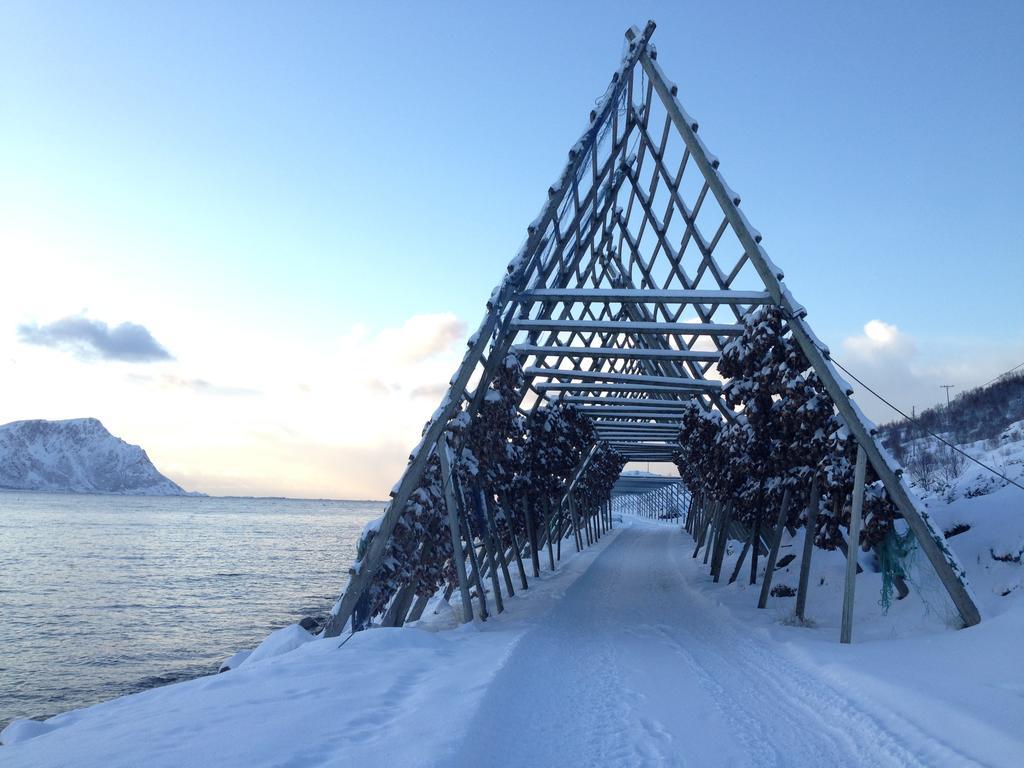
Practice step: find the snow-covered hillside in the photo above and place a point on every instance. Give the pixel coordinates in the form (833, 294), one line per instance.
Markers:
(76, 456)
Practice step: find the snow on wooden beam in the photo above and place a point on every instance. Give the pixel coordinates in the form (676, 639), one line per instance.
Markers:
(645, 444)
(582, 386)
(692, 385)
(644, 296)
(524, 350)
(625, 412)
(655, 457)
(603, 416)
(628, 326)
(637, 402)
(634, 426)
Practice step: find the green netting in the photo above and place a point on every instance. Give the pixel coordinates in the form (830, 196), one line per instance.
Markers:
(894, 554)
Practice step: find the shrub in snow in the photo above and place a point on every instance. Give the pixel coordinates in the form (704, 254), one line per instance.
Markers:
(785, 433)
(418, 547)
(787, 417)
(491, 453)
(878, 511)
(699, 460)
(595, 485)
(557, 436)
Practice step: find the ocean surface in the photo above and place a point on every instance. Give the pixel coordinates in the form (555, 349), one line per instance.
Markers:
(102, 596)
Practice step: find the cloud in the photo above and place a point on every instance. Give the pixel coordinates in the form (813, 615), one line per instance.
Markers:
(90, 339)
(880, 340)
(423, 336)
(411, 360)
(199, 386)
(273, 463)
(432, 391)
(909, 374)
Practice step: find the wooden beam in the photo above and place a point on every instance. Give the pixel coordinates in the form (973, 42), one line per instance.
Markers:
(458, 560)
(619, 353)
(583, 386)
(633, 402)
(628, 327)
(644, 296)
(773, 553)
(694, 385)
(614, 416)
(846, 631)
(611, 427)
(810, 522)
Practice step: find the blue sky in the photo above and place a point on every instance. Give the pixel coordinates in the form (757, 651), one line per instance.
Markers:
(255, 182)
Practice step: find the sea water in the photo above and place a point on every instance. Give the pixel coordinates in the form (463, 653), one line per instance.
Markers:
(102, 596)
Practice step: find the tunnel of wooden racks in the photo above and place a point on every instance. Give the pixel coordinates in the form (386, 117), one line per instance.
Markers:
(640, 322)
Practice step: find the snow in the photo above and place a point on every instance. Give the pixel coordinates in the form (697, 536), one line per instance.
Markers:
(399, 697)
(628, 654)
(279, 642)
(234, 661)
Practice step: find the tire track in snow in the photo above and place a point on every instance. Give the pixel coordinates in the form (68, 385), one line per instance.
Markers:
(812, 700)
(635, 667)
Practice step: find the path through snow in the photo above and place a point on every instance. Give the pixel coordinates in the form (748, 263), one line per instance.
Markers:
(635, 667)
(622, 657)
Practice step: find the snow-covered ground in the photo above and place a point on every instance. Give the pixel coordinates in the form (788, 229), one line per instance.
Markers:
(626, 655)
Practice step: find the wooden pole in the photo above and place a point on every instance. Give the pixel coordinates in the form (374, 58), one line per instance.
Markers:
(516, 549)
(748, 540)
(547, 528)
(557, 532)
(458, 558)
(395, 614)
(492, 562)
(846, 632)
(715, 524)
(477, 570)
(773, 553)
(706, 516)
(805, 559)
(496, 544)
(723, 540)
(577, 523)
(531, 534)
(417, 609)
(758, 515)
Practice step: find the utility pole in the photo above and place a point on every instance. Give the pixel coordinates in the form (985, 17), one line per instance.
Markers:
(947, 387)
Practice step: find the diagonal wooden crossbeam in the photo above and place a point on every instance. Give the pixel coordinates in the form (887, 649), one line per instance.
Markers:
(639, 269)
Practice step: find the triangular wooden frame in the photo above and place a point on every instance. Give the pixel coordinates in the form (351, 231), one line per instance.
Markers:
(637, 271)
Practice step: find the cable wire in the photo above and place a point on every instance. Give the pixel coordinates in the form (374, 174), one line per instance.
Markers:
(926, 430)
(1004, 373)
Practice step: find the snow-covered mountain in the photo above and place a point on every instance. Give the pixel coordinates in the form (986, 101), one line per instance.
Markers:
(76, 456)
